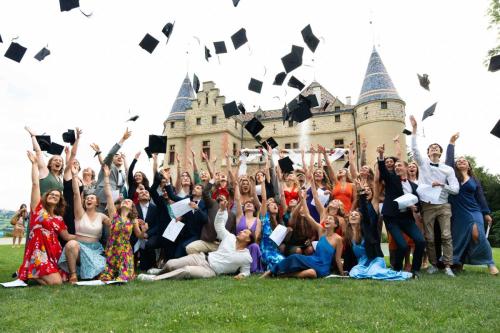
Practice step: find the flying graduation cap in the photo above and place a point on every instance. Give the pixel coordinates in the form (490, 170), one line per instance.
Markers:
(43, 141)
(429, 112)
(279, 79)
(496, 130)
(255, 85)
(239, 38)
(42, 54)
(69, 137)
(424, 81)
(167, 30)
(55, 149)
(134, 118)
(149, 43)
(295, 83)
(241, 108)
(157, 144)
(286, 165)
(284, 114)
(196, 83)
(293, 60)
(254, 126)
(207, 53)
(67, 5)
(230, 109)
(220, 47)
(309, 38)
(15, 52)
(271, 143)
(1, 41)
(235, 2)
(407, 132)
(494, 63)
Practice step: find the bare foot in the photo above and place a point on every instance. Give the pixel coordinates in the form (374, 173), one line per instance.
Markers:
(266, 275)
(493, 270)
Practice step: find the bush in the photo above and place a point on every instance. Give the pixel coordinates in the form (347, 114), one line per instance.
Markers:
(494, 236)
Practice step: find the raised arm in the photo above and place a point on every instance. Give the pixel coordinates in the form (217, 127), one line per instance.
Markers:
(221, 219)
(108, 193)
(263, 195)
(314, 192)
(130, 173)
(43, 171)
(178, 182)
(35, 181)
(384, 174)
(237, 200)
(397, 147)
(414, 147)
(98, 153)
(450, 150)
(69, 159)
(204, 157)
(77, 201)
(353, 169)
(331, 172)
(364, 145)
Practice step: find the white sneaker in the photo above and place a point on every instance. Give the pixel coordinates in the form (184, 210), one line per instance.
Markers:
(449, 272)
(432, 269)
(146, 277)
(154, 271)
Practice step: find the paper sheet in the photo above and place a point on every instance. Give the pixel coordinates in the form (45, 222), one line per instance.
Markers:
(98, 283)
(314, 244)
(14, 284)
(173, 230)
(258, 189)
(180, 208)
(323, 198)
(140, 244)
(336, 276)
(427, 193)
(278, 234)
(488, 231)
(406, 200)
(338, 153)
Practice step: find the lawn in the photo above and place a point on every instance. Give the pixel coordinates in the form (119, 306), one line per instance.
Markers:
(468, 303)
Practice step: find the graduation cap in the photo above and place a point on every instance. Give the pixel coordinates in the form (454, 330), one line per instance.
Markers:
(43, 142)
(278, 80)
(241, 108)
(284, 114)
(295, 83)
(429, 112)
(255, 85)
(69, 137)
(42, 54)
(235, 2)
(207, 53)
(67, 5)
(167, 29)
(239, 38)
(299, 110)
(230, 109)
(157, 144)
(196, 83)
(15, 52)
(286, 165)
(309, 38)
(494, 63)
(220, 47)
(424, 81)
(149, 43)
(148, 152)
(293, 60)
(1, 41)
(496, 130)
(134, 118)
(407, 132)
(55, 149)
(258, 138)
(346, 165)
(311, 99)
(271, 143)
(254, 126)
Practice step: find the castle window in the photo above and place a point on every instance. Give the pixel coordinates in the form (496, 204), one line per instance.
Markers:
(171, 155)
(383, 105)
(235, 124)
(235, 151)
(198, 121)
(214, 120)
(205, 147)
(172, 124)
(290, 123)
(339, 143)
(337, 118)
(337, 108)
(288, 146)
(295, 145)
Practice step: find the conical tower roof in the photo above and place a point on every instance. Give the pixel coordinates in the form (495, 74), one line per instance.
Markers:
(377, 84)
(183, 100)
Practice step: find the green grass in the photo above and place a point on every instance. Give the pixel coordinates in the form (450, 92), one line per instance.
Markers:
(468, 303)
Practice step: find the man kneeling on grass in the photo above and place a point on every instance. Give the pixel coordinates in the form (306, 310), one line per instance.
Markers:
(231, 256)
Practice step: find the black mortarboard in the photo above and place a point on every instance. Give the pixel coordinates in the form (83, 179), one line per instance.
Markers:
(407, 132)
(429, 112)
(284, 114)
(346, 165)
(309, 38)
(424, 81)
(239, 38)
(297, 50)
(148, 152)
(157, 144)
(230, 109)
(293, 60)
(241, 107)
(254, 126)
(134, 118)
(299, 110)
(258, 138)
(271, 142)
(255, 85)
(42, 54)
(295, 83)
(55, 149)
(220, 47)
(69, 137)
(196, 83)
(207, 53)
(286, 165)
(235, 2)
(311, 99)
(15, 52)
(1, 41)
(167, 29)
(496, 130)
(67, 5)
(149, 43)
(43, 142)
(494, 63)
(278, 80)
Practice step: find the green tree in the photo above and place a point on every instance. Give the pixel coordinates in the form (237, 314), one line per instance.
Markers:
(493, 13)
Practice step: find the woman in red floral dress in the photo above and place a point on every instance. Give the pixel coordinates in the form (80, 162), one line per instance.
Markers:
(46, 224)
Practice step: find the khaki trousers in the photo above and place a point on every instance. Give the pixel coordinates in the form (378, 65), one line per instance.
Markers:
(441, 213)
(190, 266)
(200, 246)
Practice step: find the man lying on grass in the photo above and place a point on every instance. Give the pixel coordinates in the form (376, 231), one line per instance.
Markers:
(231, 256)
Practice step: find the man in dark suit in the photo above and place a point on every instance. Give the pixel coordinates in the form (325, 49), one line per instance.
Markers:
(397, 221)
(148, 213)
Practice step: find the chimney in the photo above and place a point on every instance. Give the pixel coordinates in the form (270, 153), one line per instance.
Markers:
(348, 100)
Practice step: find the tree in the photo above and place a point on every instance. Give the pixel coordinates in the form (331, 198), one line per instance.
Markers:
(494, 24)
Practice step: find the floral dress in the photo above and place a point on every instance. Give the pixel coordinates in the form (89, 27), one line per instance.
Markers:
(43, 249)
(119, 256)
(270, 252)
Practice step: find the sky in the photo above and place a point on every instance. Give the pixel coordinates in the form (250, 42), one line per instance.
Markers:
(97, 76)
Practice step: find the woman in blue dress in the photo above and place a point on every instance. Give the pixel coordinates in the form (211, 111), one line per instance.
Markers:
(469, 213)
(269, 212)
(362, 233)
(318, 264)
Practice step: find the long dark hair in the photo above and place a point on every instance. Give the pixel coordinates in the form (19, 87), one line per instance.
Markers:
(145, 180)
(60, 206)
(459, 175)
(349, 232)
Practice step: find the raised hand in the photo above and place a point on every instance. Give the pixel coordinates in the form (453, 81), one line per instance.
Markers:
(137, 155)
(192, 153)
(126, 135)
(177, 158)
(321, 149)
(74, 170)
(78, 132)
(454, 138)
(155, 157)
(364, 144)
(413, 122)
(32, 157)
(381, 150)
(222, 205)
(165, 173)
(95, 147)
(29, 130)
(204, 156)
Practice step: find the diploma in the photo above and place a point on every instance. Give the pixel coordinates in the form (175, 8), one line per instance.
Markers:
(173, 230)
(180, 208)
(278, 234)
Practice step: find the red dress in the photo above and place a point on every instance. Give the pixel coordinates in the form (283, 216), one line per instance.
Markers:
(345, 195)
(289, 195)
(43, 249)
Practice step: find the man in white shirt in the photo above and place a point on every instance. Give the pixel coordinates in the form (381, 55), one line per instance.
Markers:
(232, 256)
(436, 181)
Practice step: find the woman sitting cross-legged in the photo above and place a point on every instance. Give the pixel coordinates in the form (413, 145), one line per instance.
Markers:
(46, 224)
(362, 233)
(318, 264)
(83, 257)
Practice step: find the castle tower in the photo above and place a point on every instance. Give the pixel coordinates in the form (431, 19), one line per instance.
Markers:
(380, 112)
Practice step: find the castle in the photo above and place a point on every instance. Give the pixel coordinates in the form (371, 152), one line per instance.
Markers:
(199, 122)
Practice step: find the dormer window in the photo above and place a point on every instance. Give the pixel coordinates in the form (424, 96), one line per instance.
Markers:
(383, 105)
